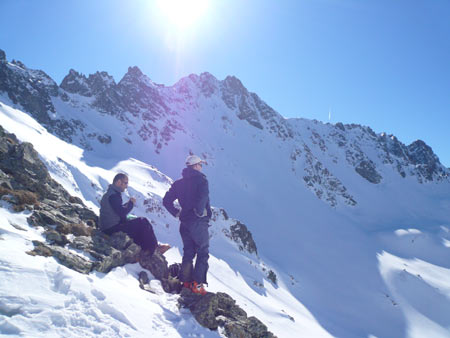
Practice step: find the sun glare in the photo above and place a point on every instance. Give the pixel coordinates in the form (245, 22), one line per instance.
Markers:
(183, 14)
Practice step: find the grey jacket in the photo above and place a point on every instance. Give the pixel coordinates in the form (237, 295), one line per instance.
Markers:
(112, 212)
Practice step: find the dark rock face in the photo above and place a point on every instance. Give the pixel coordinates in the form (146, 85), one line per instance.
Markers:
(236, 96)
(252, 109)
(220, 310)
(33, 90)
(367, 170)
(2, 56)
(23, 169)
(76, 83)
(417, 159)
(272, 277)
(30, 89)
(426, 161)
(140, 95)
(208, 84)
(240, 234)
(322, 182)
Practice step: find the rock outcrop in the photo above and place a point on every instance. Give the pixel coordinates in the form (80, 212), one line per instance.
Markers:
(215, 310)
(242, 236)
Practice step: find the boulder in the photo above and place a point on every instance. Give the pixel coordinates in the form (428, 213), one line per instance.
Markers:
(220, 310)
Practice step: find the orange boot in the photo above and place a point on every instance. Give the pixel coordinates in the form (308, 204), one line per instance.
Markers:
(198, 288)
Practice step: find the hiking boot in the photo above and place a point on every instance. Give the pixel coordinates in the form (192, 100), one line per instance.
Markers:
(198, 288)
(162, 248)
(187, 285)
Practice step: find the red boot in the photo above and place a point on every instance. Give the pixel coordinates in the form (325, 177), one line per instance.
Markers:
(187, 285)
(198, 288)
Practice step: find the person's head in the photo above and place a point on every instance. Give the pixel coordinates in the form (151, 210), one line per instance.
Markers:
(121, 181)
(194, 162)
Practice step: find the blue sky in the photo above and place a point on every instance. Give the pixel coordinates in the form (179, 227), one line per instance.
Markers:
(381, 63)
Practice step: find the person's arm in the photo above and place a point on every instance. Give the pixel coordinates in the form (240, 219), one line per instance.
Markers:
(115, 200)
(169, 198)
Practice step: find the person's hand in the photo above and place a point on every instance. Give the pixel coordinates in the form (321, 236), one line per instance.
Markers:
(133, 200)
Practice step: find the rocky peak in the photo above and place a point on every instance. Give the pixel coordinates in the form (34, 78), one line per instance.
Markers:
(187, 85)
(233, 85)
(237, 98)
(19, 64)
(140, 96)
(251, 108)
(427, 163)
(100, 81)
(394, 146)
(134, 71)
(421, 153)
(206, 76)
(2, 56)
(76, 83)
(99, 85)
(29, 88)
(134, 76)
(208, 84)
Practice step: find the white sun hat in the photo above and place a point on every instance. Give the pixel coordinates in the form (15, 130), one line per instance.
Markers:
(193, 159)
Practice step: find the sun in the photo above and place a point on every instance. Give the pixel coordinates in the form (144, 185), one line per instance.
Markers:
(183, 14)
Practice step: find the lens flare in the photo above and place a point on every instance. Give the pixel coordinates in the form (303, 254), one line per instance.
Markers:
(183, 14)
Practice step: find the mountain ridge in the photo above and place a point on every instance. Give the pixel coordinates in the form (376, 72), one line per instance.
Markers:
(137, 95)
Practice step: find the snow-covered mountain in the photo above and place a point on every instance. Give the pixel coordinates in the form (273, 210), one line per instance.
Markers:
(353, 224)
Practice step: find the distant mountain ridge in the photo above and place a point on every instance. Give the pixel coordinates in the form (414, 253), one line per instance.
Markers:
(155, 113)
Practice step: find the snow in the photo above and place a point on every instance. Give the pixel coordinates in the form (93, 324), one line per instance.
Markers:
(341, 271)
(40, 298)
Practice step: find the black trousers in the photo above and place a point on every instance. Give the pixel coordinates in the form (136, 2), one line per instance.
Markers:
(140, 230)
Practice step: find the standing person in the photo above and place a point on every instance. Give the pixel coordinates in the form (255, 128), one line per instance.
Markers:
(192, 193)
(113, 217)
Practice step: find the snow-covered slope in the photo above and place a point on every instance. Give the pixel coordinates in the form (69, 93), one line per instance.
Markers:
(347, 219)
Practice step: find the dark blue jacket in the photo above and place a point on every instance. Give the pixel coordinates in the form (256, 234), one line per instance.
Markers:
(192, 193)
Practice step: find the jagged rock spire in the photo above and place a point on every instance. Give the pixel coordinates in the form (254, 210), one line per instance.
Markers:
(2, 56)
(75, 82)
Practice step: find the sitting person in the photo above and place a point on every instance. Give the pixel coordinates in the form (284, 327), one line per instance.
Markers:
(113, 217)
